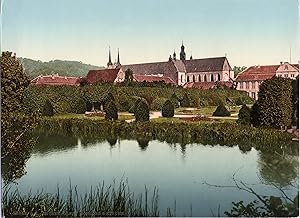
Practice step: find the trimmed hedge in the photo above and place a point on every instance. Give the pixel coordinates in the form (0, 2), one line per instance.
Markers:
(111, 111)
(65, 98)
(244, 115)
(221, 111)
(48, 109)
(168, 109)
(141, 112)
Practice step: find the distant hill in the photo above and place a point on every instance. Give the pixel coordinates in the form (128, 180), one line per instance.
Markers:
(64, 68)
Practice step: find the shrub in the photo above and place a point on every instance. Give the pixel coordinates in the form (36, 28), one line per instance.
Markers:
(244, 115)
(111, 112)
(168, 109)
(88, 105)
(141, 111)
(158, 103)
(48, 109)
(275, 103)
(239, 101)
(80, 106)
(175, 101)
(185, 102)
(134, 102)
(221, 111)
(254, 115)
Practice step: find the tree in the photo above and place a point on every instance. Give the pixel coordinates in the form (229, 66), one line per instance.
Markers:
(296, 102)
(185, 102)
(168, 109)
(175, 101)
(142, 111)
(244, 115)
(237, 70)
(48, 109)
(275, 103)
(221, 111)
(128, 76)
(254, 115)
(111, 111)
(15, 123)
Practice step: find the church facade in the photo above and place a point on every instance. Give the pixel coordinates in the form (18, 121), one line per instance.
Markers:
(182, 71)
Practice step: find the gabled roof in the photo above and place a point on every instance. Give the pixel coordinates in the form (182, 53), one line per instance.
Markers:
(258, 73)
(55, 80)
(148, 68)
(205, 64)
(152, 78)
(105, 75)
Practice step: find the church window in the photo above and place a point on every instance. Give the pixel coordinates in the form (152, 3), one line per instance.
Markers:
(181, 78)
(205, 79)
(188, 78)
(219, 77)
(212, 78)
(194, 78)
(199, 78)
(247, 85)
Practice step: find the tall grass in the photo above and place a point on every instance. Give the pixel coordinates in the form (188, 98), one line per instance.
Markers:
(113, 200)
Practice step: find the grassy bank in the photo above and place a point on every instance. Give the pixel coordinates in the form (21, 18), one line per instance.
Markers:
(212, 133)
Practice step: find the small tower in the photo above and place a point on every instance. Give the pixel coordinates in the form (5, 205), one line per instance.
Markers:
(170, 58)
(182, 53)
(174, 55)
(118, 60)
(109, 63)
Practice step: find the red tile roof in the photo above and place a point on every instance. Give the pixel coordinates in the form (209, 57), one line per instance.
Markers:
(152, 78)
(258, 73)
(55, 80)
(208, 85)
(105, 75)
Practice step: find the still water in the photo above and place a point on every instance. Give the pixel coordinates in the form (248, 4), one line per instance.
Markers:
(178, 171)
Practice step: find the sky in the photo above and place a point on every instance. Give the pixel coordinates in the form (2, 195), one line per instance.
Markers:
(249, 32)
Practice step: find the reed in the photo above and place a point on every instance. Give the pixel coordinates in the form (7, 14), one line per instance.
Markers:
(112, 200)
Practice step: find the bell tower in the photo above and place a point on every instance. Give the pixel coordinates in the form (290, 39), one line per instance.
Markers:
(182, 53)
(109, 63)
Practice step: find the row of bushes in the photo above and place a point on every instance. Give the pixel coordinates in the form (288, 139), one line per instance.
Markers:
(69, 99)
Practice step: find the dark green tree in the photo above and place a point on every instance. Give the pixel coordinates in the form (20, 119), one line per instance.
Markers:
(128, 77)
(80, 106)
(48, 109)
(237, 70)
(88, 105)
(221, 111)
(167, 109)
(141, 111)
(175, 101)
(244, 115)
(185, 102)
(239, 101)
(16, 144)
(111, 111)
(254, 115)
(275, 103)
(296, 102)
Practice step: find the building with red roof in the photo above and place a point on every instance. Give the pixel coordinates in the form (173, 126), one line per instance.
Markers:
(105, 75)
(250, 79)
(152, 78)
(55, 80)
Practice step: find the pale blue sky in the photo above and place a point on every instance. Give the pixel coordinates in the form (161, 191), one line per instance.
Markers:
(250, 31)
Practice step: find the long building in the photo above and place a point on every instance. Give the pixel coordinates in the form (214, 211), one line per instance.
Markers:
(250, 79)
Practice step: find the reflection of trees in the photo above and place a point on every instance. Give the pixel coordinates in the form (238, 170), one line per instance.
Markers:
(143, 143)
(112, 140)
(52, 143)
(278, 169)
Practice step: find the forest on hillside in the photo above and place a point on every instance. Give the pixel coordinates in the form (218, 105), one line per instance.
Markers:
(35, 68)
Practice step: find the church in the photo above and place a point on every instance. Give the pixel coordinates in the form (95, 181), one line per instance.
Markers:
(182, 71)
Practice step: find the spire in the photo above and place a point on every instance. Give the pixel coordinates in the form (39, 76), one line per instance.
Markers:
(182, 53)
(109, 59)
(174, 55)
(191, 56)
(118, 61)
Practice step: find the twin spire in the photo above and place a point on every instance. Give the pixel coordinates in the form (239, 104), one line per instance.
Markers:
(110, 64)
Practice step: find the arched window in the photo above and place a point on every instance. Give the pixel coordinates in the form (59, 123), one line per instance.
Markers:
(194, 78)
(205, 79)
(188, 78)
(181, 78)
(212, 77)
(219, 77)
(199, 78)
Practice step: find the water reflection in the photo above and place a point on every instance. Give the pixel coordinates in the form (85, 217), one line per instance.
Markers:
(278, 169)
(143, 143)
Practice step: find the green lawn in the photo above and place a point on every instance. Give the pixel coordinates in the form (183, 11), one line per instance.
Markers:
(206, 111)
(82, 116)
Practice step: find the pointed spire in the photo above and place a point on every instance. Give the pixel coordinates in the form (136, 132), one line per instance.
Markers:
(174, 55)
(118, 61)
(109, 58)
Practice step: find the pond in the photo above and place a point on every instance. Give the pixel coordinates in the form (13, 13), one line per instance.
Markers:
(180, 172)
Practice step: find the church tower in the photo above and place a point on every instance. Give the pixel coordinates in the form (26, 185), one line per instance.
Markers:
(182, 53)
(109, 63)
(118, 61)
